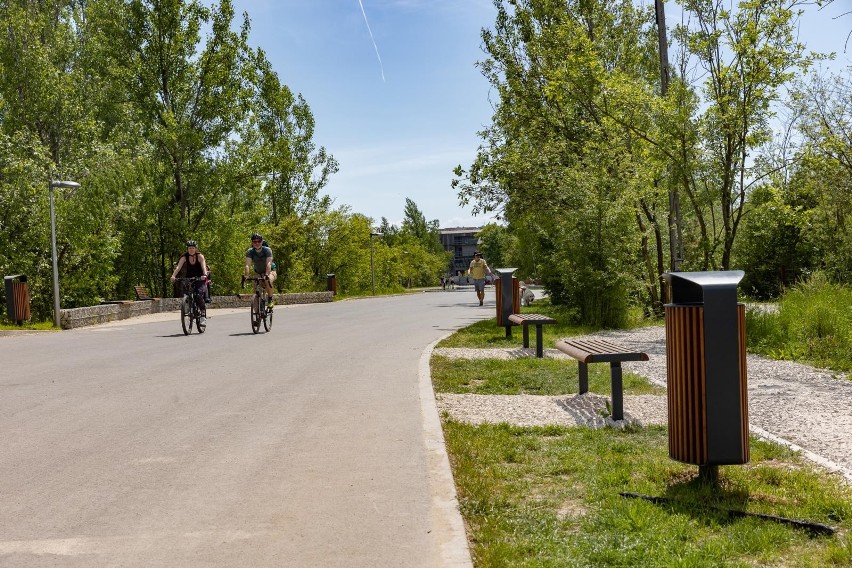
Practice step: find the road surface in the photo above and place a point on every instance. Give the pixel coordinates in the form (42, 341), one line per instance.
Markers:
(130, 444)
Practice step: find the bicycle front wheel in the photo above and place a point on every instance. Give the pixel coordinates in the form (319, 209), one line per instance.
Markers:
(267, 320)
(255, 314)
(200, 322)
(186, 315)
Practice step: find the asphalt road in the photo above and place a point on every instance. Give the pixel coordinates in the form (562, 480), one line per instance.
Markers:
(130, 444)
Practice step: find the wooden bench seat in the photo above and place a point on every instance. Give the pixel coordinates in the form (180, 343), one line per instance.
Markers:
(593, 350)
(142, 293)
(532, 319)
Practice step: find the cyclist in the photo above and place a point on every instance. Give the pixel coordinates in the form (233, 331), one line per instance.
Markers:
(260, 257)
(195, 266)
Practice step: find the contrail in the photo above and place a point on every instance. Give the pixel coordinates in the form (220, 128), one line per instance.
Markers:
(376, 47)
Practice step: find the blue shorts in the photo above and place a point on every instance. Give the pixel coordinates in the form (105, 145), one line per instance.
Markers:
(479, 284)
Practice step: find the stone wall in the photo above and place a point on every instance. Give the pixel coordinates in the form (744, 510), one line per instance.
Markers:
(81, 317)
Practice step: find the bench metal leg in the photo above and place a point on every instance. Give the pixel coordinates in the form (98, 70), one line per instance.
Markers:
(584, 377)
(539, 344)
(617, 394)
(526, 335)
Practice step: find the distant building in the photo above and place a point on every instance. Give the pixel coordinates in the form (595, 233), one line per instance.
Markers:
(462, 243)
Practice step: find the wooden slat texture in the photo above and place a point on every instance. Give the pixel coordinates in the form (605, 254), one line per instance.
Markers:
(598, 351)
(520, 319)
(516, 299)
(142, 293)
(21, 301)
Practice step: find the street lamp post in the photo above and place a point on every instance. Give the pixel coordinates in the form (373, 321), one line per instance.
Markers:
(372, 270)
(68, 184)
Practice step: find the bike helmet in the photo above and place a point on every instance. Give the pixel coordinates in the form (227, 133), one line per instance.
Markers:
(191, 244)
(256, 237)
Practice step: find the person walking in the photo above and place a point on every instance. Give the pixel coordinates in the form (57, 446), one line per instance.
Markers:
(477, 270)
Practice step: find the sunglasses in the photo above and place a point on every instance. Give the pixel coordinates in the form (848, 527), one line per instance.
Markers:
(258, 241)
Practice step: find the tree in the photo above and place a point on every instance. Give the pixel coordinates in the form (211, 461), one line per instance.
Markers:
(747, 54)
(555, 160)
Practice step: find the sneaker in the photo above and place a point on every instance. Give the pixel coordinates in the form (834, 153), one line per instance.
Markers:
(480, 302)
(203, 320)
(270, 302)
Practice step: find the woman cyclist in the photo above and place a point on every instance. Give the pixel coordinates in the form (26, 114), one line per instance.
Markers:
(195, 266)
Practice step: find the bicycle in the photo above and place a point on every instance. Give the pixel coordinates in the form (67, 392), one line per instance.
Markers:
(261, 311)
(190, 312)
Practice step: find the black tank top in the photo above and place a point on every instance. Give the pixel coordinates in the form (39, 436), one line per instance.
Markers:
(192, 268)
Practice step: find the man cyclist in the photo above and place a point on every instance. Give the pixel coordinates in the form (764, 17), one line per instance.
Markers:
(195, 265)
(259, 256)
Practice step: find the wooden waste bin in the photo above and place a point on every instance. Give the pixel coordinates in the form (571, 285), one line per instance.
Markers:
(706, 369)
(508, 293)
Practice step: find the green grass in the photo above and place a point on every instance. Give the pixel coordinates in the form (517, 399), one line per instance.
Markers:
(549, 496)
(526, 376)
(813, 324)
(486, 333)
(44, 325)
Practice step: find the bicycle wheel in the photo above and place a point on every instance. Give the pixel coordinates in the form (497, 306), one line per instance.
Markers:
(267, 319)
(186, 315)
(255, 314)
(199, 323)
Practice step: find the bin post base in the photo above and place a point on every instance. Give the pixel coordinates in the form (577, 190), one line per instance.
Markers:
(708, 474)
(508, 332)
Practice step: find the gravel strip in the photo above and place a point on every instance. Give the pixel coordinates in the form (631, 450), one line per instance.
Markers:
(808, 407)
(587, 409)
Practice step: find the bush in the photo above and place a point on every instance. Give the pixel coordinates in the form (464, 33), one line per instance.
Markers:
(813, 323)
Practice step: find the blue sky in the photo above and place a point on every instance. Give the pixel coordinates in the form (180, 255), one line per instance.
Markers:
(401, 135)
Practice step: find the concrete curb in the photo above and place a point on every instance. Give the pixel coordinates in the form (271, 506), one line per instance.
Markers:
(447, 521)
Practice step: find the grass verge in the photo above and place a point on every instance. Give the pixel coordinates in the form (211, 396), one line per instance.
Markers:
(526, 376)
(44, 325)
(549, 496)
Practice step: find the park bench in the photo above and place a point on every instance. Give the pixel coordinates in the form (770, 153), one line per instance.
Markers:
(592, 350)
(142, 293)
(538, 320)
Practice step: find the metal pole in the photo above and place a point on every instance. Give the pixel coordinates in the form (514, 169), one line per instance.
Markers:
(55, 266)
(372, 271)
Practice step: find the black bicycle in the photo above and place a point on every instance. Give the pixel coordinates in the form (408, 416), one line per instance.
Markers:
(190, 312)
(261, 311)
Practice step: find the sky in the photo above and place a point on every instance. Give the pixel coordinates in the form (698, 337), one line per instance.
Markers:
(396, 94)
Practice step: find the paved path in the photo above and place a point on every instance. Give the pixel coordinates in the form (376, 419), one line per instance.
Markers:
(317, 444)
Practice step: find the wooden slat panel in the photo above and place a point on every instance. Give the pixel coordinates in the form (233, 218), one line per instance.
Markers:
(686, 384)
(520, 319)
(21, 301)
(598, 351)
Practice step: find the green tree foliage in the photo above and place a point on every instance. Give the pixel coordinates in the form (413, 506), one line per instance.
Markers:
(554, 160)
(824, 168)
(746, 55)
(584, 153)
(174, 129)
